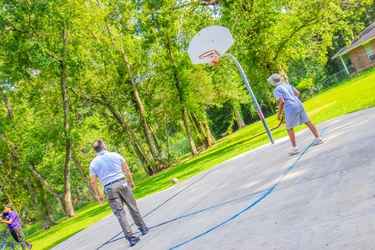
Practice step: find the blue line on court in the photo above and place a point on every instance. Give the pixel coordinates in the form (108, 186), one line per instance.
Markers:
(252, 205)
(112, 239)
(209, 208)
(196, 212)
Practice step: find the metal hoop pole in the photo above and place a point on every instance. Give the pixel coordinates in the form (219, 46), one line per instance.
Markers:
(260, 114)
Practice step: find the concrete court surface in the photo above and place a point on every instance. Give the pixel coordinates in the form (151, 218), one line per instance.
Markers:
(323, 198)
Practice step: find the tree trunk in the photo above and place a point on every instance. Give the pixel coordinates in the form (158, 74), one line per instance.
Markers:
(38, 176)
(157, 142)
(193, 149)
(202, 128)
(209, 2)
(210, 137)
(137, 145)
(87, 182)
(140, 108)
(139, 105)
(48, 221)
(181, 98)
(240, 123)
(34, 198)
(68, 141)
(184, 116)
(7, 104)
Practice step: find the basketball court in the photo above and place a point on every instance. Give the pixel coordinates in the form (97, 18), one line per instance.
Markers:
(323, 198)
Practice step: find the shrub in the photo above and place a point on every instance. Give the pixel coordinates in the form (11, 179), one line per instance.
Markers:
(305, 85)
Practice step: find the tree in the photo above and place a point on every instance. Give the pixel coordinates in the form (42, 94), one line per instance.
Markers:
(166, 28)
(46, 50)
(14, 170)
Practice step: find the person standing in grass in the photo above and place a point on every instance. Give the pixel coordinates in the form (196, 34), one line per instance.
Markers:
(110, 168)
(295, 114)
(14, 226)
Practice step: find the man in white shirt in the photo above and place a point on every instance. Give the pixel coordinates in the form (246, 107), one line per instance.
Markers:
(110, 168)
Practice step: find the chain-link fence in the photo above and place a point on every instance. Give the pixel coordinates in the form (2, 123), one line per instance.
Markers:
(326, 83)
(332, 80)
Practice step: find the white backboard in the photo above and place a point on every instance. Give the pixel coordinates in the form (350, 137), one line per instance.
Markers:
(216, 38)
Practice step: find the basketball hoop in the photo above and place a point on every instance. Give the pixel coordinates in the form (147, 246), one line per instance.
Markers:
(209, 44)
(212, 42)
(211, 57)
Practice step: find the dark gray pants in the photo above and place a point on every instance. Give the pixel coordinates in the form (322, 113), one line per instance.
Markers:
(117, 194)
(17, 236)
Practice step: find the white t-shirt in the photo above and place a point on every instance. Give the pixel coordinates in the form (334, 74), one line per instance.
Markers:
(292, 104)
(107, 166)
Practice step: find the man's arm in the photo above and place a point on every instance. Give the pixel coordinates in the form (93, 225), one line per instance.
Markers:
(126, 169)
(281, 108)
(94, 185)
(6, 221)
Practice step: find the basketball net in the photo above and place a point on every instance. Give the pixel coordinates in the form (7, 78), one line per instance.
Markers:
(211, 57)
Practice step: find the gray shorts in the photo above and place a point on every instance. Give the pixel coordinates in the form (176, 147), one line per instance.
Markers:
(296, 119)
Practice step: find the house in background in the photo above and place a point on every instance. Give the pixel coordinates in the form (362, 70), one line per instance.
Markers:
(361, 51)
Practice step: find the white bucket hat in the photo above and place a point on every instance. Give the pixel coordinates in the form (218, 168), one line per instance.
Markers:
(276, 79)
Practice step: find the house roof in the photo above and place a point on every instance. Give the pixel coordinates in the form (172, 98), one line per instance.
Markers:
(365, 36)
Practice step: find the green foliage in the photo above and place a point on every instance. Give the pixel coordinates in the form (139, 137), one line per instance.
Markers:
(305, 85)
(221, 118)
(66, 228)
(32, 229)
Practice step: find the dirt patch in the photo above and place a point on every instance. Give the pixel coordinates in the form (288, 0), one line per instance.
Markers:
(314, 111)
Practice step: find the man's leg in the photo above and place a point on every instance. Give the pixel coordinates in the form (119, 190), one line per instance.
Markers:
(131, 203)
(114, 197)
(17, 236)
(292, 137)
(313, 129)
(119, 211)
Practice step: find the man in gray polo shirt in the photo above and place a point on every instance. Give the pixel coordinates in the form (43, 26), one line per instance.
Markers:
(110, 168)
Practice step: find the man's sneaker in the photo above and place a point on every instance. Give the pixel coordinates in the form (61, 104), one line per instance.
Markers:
(30, 246)
(144, 230)
(133, 240)
(318, 141)
(294, 152)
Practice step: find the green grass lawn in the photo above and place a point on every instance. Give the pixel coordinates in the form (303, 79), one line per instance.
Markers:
(355, 94)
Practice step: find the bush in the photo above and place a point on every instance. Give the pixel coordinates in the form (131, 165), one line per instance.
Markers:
(305, 85)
